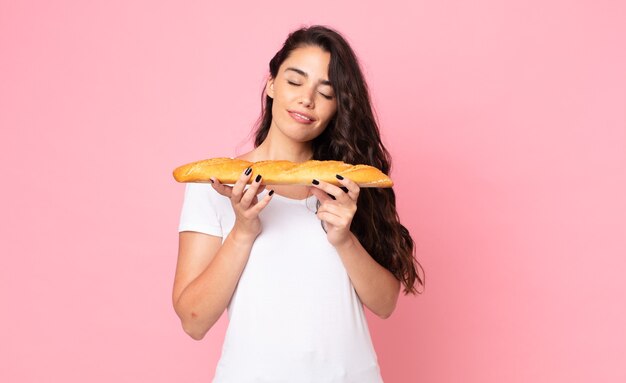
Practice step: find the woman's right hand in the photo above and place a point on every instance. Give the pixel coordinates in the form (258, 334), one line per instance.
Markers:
(245, 204)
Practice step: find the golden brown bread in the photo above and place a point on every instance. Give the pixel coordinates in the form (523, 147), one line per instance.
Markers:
(278, 172)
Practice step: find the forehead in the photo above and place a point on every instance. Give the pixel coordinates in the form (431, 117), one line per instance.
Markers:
(312, 60)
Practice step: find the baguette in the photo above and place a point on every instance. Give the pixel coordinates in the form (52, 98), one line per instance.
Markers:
(280, 172)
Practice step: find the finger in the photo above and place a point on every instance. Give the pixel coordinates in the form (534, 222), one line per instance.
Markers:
(250, 194)
(241, 183)
(224, 190)
(348, 185)
(255, 198)
(321, 195)
(335, 209)
(332, 219)
(334, 192)
(262, 203)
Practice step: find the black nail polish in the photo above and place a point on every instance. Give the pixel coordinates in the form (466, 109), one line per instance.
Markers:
(339, 177)
(271, 192)
(316, 182)
(344, 188)
(331, 196)
(258, 178)
(248, 171)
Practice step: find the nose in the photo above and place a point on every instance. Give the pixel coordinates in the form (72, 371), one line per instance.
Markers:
(306, 98)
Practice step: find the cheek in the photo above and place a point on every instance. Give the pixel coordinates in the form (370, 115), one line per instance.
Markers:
(331, 111)
(283, 93)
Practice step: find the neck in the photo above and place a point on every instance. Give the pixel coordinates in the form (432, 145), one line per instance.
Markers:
(278, 147)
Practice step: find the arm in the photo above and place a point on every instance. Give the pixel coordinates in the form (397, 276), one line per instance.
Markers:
(376, 286)
(207, 273)
(208, 270)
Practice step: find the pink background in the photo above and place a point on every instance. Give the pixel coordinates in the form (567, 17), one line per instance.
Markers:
(507, 126)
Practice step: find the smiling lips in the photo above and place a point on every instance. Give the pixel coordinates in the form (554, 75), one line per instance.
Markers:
(301, 117)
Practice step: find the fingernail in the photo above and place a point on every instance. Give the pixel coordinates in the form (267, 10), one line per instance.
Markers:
(339, 177)
(271, 192)
(211, 179)
(344, 188)
(331, 196)
(258, 178)
(248, 171)
(316, 182)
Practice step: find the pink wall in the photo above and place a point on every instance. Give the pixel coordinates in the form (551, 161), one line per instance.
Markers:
(507, 126)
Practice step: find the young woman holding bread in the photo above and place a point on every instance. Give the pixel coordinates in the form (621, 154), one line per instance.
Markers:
(295, 265)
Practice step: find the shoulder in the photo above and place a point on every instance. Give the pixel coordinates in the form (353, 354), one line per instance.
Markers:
(203, 192)
(251, 156)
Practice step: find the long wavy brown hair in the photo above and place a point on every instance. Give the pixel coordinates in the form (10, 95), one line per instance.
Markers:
(352, 136)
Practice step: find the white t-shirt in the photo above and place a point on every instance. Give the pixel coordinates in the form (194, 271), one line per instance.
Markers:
(294, 316)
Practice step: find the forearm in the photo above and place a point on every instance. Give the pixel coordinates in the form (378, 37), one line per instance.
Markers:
(204, 300)
(376, 286)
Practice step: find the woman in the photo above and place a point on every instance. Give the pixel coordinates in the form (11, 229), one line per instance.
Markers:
(295, 265)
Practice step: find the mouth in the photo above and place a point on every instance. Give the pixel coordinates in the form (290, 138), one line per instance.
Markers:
(301, 117)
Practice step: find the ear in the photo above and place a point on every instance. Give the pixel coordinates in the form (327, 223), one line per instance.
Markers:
(269, 87)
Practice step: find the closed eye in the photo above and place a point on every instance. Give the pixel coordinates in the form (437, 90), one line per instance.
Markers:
(326, 96)
(323, 95)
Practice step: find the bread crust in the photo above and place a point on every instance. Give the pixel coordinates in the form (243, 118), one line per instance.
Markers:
(281, 172)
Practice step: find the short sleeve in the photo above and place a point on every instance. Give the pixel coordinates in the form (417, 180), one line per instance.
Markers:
(198, 211)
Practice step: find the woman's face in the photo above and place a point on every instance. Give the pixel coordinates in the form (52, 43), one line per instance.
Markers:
(303, 99)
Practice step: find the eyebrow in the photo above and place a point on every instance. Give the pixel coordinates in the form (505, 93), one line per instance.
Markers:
(303, 73)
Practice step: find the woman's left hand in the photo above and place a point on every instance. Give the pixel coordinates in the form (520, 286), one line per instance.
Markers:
(338, 206)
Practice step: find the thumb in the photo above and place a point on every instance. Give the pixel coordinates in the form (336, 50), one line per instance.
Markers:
(224, 190)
